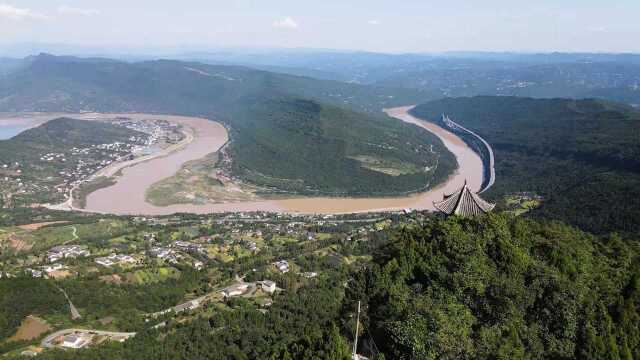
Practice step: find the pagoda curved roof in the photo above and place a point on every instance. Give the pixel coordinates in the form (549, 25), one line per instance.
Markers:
(464, 202)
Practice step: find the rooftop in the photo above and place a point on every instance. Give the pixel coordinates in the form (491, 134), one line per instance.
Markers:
(464, 203)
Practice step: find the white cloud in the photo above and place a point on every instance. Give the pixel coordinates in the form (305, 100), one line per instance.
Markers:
(69, 10)
(14, 13)
(373, 22)
(286, 23)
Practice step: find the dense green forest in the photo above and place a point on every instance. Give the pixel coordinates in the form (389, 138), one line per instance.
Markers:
(502, 288)
(322, 147)
(582, 156)
(289, 133)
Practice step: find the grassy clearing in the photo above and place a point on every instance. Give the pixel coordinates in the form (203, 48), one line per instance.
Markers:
(56, 234)
(148, 276)
(386, 166)
(521, 204)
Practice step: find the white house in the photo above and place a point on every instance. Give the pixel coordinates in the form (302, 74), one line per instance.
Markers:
(76, 341)
(235, 290)
(268, 286)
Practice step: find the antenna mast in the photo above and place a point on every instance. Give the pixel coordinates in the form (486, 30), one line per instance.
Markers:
(355, 342)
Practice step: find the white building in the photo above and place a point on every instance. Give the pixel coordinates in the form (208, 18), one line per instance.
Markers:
(268, 286)
(76, 341)
(282, 265)
(115, 259)
(235, 290)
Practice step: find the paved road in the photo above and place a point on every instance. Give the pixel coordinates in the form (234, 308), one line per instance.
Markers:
(492, 169)
(47, 342)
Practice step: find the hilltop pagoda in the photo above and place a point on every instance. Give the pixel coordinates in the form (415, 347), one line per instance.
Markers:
(464, 202)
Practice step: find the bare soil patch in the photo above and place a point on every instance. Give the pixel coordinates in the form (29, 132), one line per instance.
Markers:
(36, 226)
(60, 274)
(31, 328)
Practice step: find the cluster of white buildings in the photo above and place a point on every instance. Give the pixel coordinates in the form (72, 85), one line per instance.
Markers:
(190, 247)
(115, 259)
(47, 269)
(53, 157)
(166, 254)
(66, 251)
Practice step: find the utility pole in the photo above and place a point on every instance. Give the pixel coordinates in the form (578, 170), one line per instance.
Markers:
(355, 341)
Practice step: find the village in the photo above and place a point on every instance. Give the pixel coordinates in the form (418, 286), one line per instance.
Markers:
(248, 256)
(51, 175)
(227, 237)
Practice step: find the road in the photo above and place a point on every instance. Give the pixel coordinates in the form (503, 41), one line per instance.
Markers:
(47, 342)
(492, 168)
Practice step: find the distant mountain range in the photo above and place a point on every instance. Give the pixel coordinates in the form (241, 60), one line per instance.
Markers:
(608, 76)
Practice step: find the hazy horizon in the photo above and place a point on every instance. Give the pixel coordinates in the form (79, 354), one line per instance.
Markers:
(373, 26)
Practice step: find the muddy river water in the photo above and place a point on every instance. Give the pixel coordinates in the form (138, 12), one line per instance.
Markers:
(127, 196)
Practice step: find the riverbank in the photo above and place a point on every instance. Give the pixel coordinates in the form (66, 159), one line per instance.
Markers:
(127, 196)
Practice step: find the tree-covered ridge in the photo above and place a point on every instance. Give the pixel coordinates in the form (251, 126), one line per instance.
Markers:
(289, 133)
(592, 129)
(317, 146)
(502, 288)
(64, 133)
(580, 155)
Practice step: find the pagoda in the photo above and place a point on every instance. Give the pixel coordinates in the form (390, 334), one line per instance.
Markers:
(463, 202)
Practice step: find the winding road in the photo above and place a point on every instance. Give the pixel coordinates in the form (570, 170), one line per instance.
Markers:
(492, 167)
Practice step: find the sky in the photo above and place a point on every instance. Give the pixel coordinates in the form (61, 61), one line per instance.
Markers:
(372, 25)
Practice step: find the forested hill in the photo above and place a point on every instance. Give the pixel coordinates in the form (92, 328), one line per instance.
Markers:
(582, 156)
(62, 133)
(501, 288)
(289, 133)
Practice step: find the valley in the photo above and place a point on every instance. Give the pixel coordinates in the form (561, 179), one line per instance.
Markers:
(206, 211)
(128, 194)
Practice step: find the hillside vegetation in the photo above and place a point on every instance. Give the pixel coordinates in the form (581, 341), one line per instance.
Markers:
(291, 134)
(582, 156)
(495, 287)
(502, 288)
(322, 146)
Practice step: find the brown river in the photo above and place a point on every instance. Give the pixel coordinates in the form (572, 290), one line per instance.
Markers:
(127, 196)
